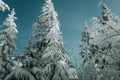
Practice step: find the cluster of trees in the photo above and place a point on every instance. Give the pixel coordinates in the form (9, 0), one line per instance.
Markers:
(100, 47)
(44, 58)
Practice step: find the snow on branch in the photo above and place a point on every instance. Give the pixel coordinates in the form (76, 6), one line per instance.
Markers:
(3, 6)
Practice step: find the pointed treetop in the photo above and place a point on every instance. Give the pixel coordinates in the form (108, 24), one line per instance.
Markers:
(49, 14)
(106, 12)
(49, 7)
(10, 19)
(86, 27)
(102, 2)
(11, 16)
(85, 24)
(9, 22)
(13, 11)
(48, 0)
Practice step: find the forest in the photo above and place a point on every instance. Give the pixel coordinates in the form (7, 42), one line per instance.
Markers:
(45, 56)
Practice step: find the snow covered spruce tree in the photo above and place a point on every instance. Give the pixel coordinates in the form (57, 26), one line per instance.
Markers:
(87, 69)
(46, 37)
(106, 29)
(85, 43)
(104, 47)
(45, 57)
(3, 6)
(8, 33)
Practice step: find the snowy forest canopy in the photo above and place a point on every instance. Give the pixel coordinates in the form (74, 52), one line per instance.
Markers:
(45, 57)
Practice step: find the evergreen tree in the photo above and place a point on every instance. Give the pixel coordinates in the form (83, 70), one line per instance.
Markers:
(8, 33)
(106, 25)
(47, 40)
(106, 30)
(85, 43)
(88, 48)
(45, 57)
(104, 53)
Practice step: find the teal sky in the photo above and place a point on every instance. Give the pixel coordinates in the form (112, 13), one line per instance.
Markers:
(72, 14)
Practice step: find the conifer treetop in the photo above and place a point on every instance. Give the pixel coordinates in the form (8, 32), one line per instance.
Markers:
(12, 15)
(10, 25)
(48, 0)
(101, 3)
(86, 25)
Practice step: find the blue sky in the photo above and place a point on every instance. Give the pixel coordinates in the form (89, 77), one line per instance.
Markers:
(72, 14)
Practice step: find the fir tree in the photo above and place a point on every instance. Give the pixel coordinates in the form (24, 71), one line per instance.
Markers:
(48, 43)
(85, 42)
(106, 30)
(103, 48)
(87, 70)
(8, 33)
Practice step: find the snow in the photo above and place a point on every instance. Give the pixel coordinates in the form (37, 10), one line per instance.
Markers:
(20, 73)
(10, 25)
(45, 57)
(62, 63)
(46, 31)
(62, 71)
(8, 33)
(3, 6)
(102, 53)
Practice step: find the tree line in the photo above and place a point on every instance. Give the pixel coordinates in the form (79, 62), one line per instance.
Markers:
(45, 57)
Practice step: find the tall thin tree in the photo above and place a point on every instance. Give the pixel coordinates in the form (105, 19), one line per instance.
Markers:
(8, 33)
(46, 32)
